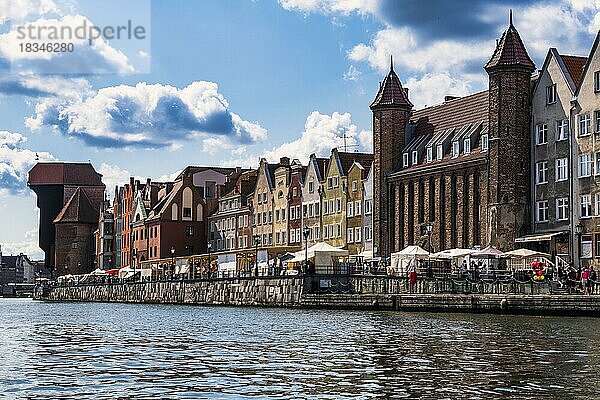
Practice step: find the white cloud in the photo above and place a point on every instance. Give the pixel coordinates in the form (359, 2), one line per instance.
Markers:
(353, 74)
(28, 247)
(147, 116)
(343, 7)
(95, 58)
(15, 163)
(11, 10)
(322, 133)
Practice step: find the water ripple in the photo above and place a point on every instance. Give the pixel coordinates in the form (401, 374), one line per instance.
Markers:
(108, 351)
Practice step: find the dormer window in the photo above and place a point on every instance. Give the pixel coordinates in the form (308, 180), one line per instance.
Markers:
(455, 149)
(415, 157)
(429, 154)
(467, 146)
(484, 142)
(405, 160)
(440, 152)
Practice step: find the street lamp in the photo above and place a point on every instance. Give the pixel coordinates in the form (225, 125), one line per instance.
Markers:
(578, 231)
(256, 242)
(305, 233)
(173, 258)
(429, 230)
(208, 248)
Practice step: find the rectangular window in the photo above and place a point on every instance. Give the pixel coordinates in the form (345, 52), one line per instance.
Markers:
(562, 129)
(336, 181)
(292, 212)
(584, 124)
(330, 182)
(455, 149)
(277, 238)
(597, 81)
(338, 205)
(357, 210)
(74, 245)
(597, 201)
(415, 157)
(597, 121)
(585, 203)
(339, 230)
(187, 212)
(295, 192)
(541, 134)
(317, 233)
(350, 209)
(484, 142)
(331, 231)
(541, 172)
(467, 146)
(292, 236)
(283, 214)
(551, 94)
(311, 187)
(189, 231)
(586, 246)
(350, 235)
(562, 209)
(357, 232)
(354, 186)
(317, 209)
(404, 160)
(277, 215)
(368, 207)
(311, 210)
(325, 207)
(325, 232)
(440, 152)
(585, 165)
(542, 211)
(430, 154)
(561, 169)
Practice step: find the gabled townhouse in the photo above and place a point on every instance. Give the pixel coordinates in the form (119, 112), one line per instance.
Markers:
(280, 203)
(312, 192)
(295, 206)
(367, 211)
(355, 207)
(231, 226)
(263, 203)
(336, 195)
(585, 123)
(551, 154)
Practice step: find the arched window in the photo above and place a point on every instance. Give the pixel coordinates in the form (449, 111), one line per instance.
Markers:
(188, 198)
(174, 212)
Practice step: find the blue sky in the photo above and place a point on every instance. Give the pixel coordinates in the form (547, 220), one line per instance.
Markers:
(226, 82)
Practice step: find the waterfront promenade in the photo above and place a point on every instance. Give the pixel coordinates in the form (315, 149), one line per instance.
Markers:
(509, 296)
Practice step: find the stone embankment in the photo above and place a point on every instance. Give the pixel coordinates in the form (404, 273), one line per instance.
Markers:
(354, 292)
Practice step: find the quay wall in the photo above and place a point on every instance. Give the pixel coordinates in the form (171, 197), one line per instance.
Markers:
(340, 293)
(281, 292)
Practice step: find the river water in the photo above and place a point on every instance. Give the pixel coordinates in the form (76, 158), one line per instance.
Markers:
(108, 351)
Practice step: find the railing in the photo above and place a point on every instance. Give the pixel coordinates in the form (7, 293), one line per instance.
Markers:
(388, 285)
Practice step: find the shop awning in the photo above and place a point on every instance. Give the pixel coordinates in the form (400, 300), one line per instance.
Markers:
(539, 237)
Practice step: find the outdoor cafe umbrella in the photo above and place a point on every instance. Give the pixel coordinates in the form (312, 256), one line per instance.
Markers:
(488, 252)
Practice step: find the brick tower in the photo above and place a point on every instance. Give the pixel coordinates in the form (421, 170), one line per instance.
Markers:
(391, 112)
(509, 72)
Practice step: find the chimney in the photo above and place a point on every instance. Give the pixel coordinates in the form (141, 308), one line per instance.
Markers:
(148, 181)
(284, 161)
(131, 181)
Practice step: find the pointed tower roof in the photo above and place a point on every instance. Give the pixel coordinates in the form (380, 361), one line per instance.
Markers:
(391, 92)
(510, 50)
(78, 209)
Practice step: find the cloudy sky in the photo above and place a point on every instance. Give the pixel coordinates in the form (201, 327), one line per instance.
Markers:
(227, 82)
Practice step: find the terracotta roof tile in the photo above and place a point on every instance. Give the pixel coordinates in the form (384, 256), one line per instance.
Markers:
(574, 65)
(78, 209)
(455, 113)
(510, 51)
(391, 92)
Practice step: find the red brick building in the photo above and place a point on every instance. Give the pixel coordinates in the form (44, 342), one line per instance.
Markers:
(69, 196)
